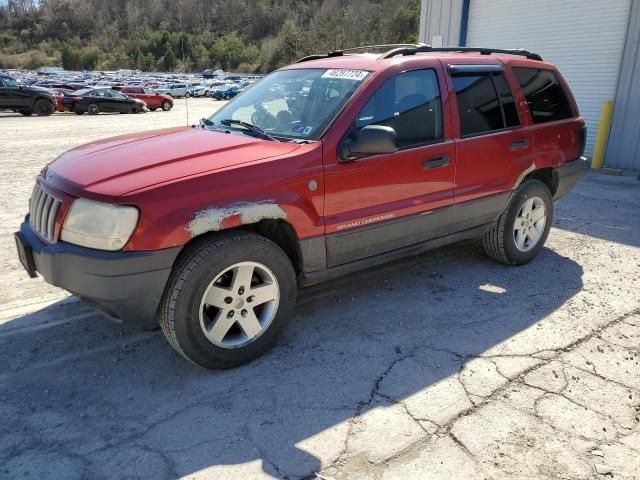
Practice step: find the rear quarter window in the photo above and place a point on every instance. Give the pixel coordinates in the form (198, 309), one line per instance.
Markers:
(544, 93)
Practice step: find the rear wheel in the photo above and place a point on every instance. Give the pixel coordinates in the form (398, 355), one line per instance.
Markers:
(93, 109)
(522, 229)
(228, 299)
(166, 106)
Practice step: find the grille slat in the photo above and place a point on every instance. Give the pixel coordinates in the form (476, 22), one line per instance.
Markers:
(43, 210)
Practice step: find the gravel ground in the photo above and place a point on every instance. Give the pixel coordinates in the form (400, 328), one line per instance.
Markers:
(444, 365)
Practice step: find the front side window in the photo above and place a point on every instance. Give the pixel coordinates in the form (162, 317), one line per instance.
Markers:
(485, 103)
(545, 95)
(293, 104)
(410, 104)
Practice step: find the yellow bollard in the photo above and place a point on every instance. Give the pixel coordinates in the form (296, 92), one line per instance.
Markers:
(603, 134)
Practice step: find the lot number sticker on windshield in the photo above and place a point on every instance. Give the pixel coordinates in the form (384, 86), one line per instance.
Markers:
(356, 75)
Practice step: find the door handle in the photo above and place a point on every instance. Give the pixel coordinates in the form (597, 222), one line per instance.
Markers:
(436, 162)
(519, 144)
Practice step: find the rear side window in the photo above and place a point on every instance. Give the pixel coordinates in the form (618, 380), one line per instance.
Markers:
(485, 103)
(410, 104)
(544, 93)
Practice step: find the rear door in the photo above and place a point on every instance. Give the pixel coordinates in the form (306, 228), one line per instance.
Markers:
(493, 147)
(385, 202)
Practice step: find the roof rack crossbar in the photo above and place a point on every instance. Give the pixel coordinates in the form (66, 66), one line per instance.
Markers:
(339, 53)
(420, 48)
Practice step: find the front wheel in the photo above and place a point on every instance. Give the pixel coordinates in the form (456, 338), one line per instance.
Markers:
(166, 106)
(228, 299)
(520, 232)
(43, 108)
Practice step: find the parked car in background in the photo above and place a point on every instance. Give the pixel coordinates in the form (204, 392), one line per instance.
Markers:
(23, 99)
(198, 91)
(152, 98)
(58, 95)
(97, 100)
(53, 84)
(225, 93)
(176, 90)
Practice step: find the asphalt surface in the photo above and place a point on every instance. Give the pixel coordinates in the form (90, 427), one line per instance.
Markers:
(444, 365)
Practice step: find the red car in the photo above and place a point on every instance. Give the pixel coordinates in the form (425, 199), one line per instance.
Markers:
(153, 99)
(362, 160)
(58, 95)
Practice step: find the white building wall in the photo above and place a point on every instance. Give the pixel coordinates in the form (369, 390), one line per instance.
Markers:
(584, 38)
(440, 22)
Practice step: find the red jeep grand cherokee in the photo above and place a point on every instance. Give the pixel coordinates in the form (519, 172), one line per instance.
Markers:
(330, 165)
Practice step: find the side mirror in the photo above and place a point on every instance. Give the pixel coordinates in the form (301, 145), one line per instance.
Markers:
(370, 140)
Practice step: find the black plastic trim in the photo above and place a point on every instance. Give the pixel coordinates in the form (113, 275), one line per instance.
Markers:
(568, 175)
(415, 249)
(126, 285)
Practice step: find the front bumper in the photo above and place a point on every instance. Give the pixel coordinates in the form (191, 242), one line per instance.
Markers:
(567, 175)
(125, 285)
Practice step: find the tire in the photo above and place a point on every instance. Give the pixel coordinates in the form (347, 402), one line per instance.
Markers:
(166, 106)
(227, 97)
(185, 316)
(93, 109)
(26, 113)
(504, 243)
(43, 108)
(187, 95)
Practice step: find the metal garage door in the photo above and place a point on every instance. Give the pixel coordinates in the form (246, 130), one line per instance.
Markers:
(584, 38)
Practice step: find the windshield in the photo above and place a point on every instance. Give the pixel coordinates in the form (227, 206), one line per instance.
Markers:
(296, 104)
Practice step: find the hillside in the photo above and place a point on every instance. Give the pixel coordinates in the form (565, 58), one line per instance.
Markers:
(191, 35)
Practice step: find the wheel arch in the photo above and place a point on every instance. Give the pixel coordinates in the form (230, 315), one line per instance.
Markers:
(279, 231)
(546, 175)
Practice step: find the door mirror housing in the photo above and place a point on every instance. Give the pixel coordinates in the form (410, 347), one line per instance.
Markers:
(370, 140)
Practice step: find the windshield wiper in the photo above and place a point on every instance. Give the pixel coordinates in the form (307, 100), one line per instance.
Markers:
(248, 126)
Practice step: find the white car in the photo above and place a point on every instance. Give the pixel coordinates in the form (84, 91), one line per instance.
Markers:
(199, 91)
(176, 90)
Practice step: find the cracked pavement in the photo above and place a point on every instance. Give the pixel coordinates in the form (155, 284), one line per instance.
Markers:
(444, 365)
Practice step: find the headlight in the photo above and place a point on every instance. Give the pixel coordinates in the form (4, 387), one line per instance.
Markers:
(99, 225)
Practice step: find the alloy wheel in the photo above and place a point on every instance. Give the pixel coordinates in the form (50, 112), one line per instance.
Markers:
(529, 224)
(239, 305)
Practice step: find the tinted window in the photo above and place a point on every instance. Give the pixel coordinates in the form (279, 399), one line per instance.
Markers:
(506, 99)
(478, 104)
(409, 103)
(546, 98)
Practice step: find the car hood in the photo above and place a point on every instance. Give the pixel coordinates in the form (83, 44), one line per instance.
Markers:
(112, 167)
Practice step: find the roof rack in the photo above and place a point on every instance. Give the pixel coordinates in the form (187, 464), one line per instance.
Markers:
(422, 47)
(346, 51)
(412, 49)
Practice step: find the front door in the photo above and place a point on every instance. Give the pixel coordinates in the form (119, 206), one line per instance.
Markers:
(381, 203)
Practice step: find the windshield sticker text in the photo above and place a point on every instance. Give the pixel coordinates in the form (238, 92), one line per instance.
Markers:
(356, 75)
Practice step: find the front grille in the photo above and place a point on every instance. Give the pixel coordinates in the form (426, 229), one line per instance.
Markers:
(43, 209)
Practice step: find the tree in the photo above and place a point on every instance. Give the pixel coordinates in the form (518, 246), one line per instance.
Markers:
(170, 60)
(70, 58)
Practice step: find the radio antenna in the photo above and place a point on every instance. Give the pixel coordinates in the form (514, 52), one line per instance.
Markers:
(186, 97)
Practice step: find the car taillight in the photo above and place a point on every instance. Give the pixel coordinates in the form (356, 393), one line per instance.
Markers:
(76, 98)
(582, 138)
